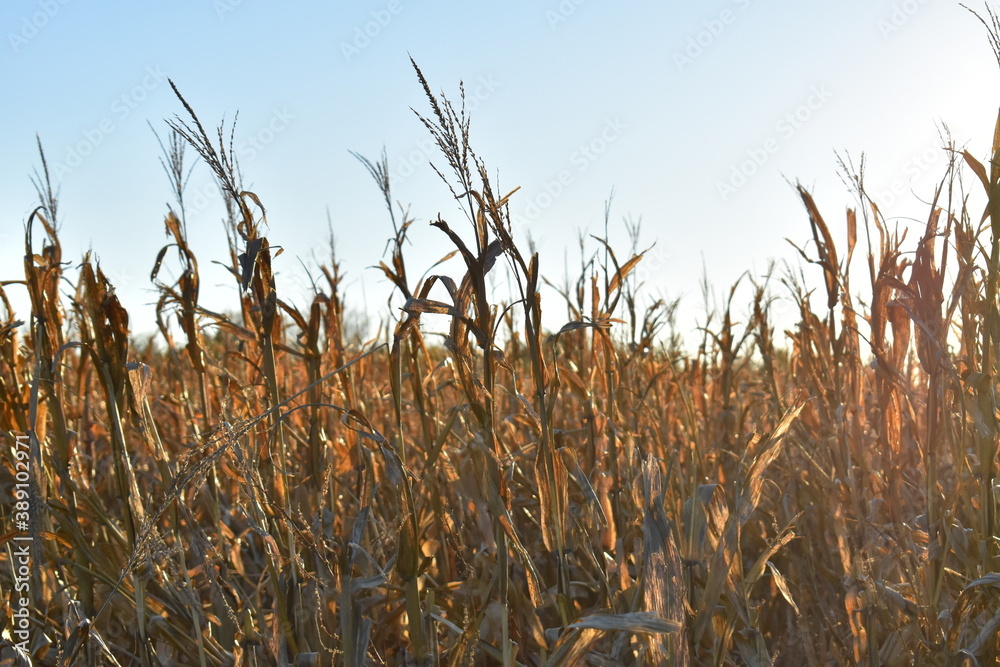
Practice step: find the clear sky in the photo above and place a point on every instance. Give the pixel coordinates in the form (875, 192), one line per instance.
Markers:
(663, 102)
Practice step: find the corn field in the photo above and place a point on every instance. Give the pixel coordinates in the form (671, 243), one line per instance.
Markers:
(265, 486)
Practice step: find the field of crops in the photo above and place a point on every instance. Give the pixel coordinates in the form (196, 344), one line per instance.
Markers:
(263, 487)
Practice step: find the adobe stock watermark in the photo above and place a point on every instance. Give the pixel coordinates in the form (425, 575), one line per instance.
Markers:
(364, 34)
(119, 278)
(249, 148)
(121, 108)
(915, 166)
(34, 23)
(712, 29)
(785, 128)
(246, 151)
(900, 15)
(223, 7)
(20, 564)
(423, 149)
(653, 262)
(580, 160)
(563, 11)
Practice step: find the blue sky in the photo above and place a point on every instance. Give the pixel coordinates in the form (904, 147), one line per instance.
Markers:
(696, 114)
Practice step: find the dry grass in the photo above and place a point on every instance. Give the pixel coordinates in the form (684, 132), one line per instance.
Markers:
(267, 489)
